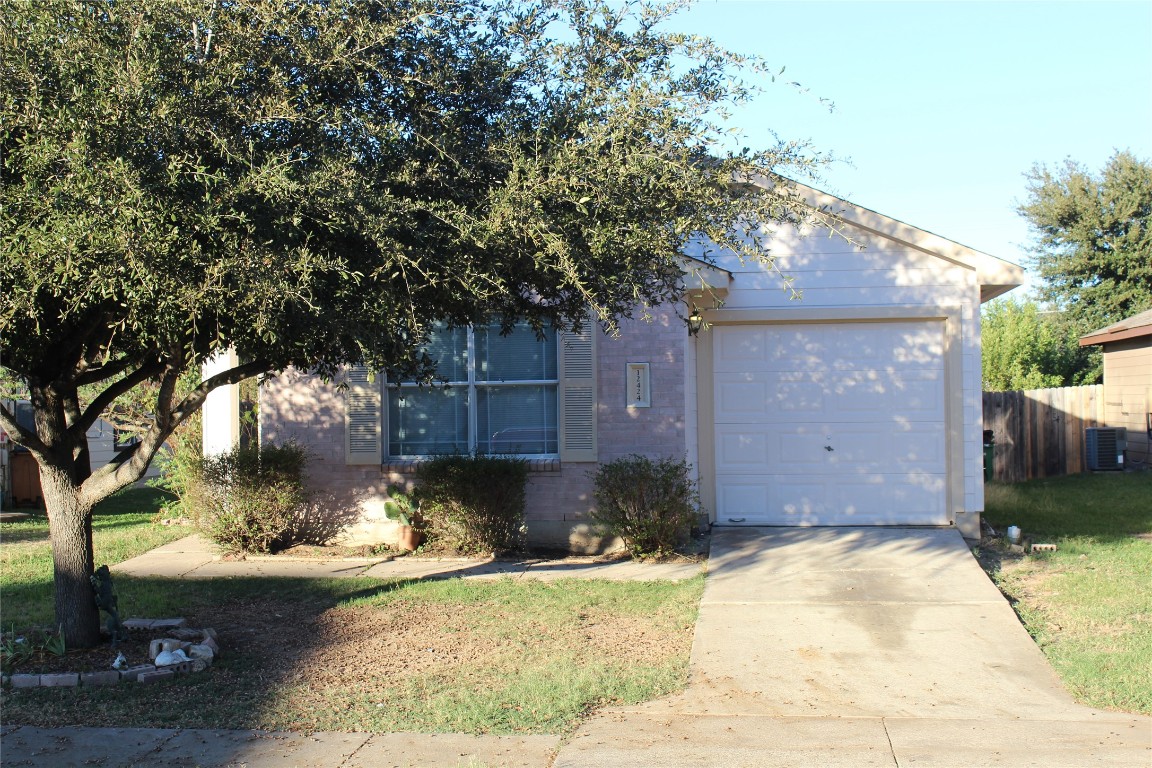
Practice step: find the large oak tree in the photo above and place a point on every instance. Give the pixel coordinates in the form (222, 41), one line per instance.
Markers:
(1092, 239)
(314, 183)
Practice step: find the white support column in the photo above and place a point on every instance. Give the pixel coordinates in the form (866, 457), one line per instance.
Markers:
(221, 409)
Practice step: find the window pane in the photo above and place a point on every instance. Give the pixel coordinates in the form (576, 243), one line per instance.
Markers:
(427, 421)
(449, 350)
(518, 356)
(516, 420)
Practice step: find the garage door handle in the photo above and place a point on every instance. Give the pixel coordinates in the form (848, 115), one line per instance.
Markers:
(829, 448)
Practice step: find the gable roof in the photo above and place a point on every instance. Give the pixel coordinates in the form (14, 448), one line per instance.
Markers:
(1129, 328)
(995, 275)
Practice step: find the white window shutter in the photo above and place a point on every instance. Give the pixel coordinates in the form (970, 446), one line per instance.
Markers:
(578, 394)
(362, 418)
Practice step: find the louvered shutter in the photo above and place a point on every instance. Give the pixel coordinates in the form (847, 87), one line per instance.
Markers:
(362, 418)
(578, 395)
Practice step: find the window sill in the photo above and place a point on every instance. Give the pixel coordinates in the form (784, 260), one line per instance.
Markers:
(409, 466)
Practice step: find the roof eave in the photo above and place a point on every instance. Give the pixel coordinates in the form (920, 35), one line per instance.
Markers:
(995, 276)
(1121, 335)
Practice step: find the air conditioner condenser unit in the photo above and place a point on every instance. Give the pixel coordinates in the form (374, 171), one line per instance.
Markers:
(1104, 447)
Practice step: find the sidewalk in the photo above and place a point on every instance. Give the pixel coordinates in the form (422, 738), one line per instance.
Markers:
(195, 748)
(195, 557)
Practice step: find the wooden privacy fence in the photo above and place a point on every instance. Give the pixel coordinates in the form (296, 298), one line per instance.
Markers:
(1040, 432)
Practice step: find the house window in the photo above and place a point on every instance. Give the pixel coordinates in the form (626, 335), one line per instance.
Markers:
(500, 396)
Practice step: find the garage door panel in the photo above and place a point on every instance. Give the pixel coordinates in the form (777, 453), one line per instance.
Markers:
(743, 398)
(830, 424)
(864, 500)
(803, 448)
(908, 446)
(739, 450)
(832, 347)
(744, 500)
(790, 396)
(741, 346)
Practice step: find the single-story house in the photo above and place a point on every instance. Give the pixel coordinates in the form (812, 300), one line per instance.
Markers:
(859, 404)
(1128, 380)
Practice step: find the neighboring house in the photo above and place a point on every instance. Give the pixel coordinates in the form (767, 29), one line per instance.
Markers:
(19, 473)
(859, 404)
(1128, 380)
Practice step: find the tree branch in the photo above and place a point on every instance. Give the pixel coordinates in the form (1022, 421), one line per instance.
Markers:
(102, 372)
(100, 404)
(116, 475)
(20, 435)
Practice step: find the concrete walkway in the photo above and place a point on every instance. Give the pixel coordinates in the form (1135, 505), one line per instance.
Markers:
(195, 557)
(859, 647)
(814, 647)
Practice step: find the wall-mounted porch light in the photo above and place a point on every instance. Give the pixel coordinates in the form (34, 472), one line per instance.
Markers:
(695, 322)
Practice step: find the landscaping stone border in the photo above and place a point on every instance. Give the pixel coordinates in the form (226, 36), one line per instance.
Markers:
(180, 636)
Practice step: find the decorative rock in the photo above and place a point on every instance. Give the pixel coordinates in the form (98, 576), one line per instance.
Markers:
(111, 677)
(61, 680)
(168, 658)
(201, 652)
(155, 676)
(210, 634)
(188, 635)
(132, 674)
(25, 681)
(199, 665)
(210, 642)
(156, 647)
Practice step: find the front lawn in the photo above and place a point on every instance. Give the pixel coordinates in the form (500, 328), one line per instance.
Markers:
(359, 654)
(122, 527)
(1089, 604)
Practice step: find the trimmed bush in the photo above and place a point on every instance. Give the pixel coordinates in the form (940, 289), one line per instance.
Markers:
(650, 504)
(474, 504)
(251, 499)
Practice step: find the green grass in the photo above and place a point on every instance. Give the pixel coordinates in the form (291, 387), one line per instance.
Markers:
(122, 528)
(535, 657)
(536, 671)
(1099, 505)
(1089, 604)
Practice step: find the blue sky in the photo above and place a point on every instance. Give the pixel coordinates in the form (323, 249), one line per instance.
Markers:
(941, 107)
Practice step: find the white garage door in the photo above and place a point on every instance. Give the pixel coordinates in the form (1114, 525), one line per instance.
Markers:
(830, 424)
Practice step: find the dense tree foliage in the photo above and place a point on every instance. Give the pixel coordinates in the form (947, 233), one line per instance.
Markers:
(1025, 348)
(315, 183)
(1093, 247)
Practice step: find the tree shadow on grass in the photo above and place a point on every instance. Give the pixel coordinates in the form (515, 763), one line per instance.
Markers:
(265, 626)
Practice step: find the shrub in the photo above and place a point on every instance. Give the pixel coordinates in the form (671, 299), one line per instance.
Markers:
(179, 467)
(474, 503)
(251, 499)
(651, 505)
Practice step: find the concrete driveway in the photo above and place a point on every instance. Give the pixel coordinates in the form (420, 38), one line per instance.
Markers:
(859, 647)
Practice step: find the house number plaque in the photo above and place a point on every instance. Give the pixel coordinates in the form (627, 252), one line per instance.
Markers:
(639, 386)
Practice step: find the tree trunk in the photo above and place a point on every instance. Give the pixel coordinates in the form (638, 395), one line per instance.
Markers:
(70, 526)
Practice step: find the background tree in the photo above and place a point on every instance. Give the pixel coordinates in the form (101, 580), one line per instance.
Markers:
(1093, 248)
(314, 184)
(1025, 348)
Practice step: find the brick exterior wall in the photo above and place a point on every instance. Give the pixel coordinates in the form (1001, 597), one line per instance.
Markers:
(303, 408)
(657, 431)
